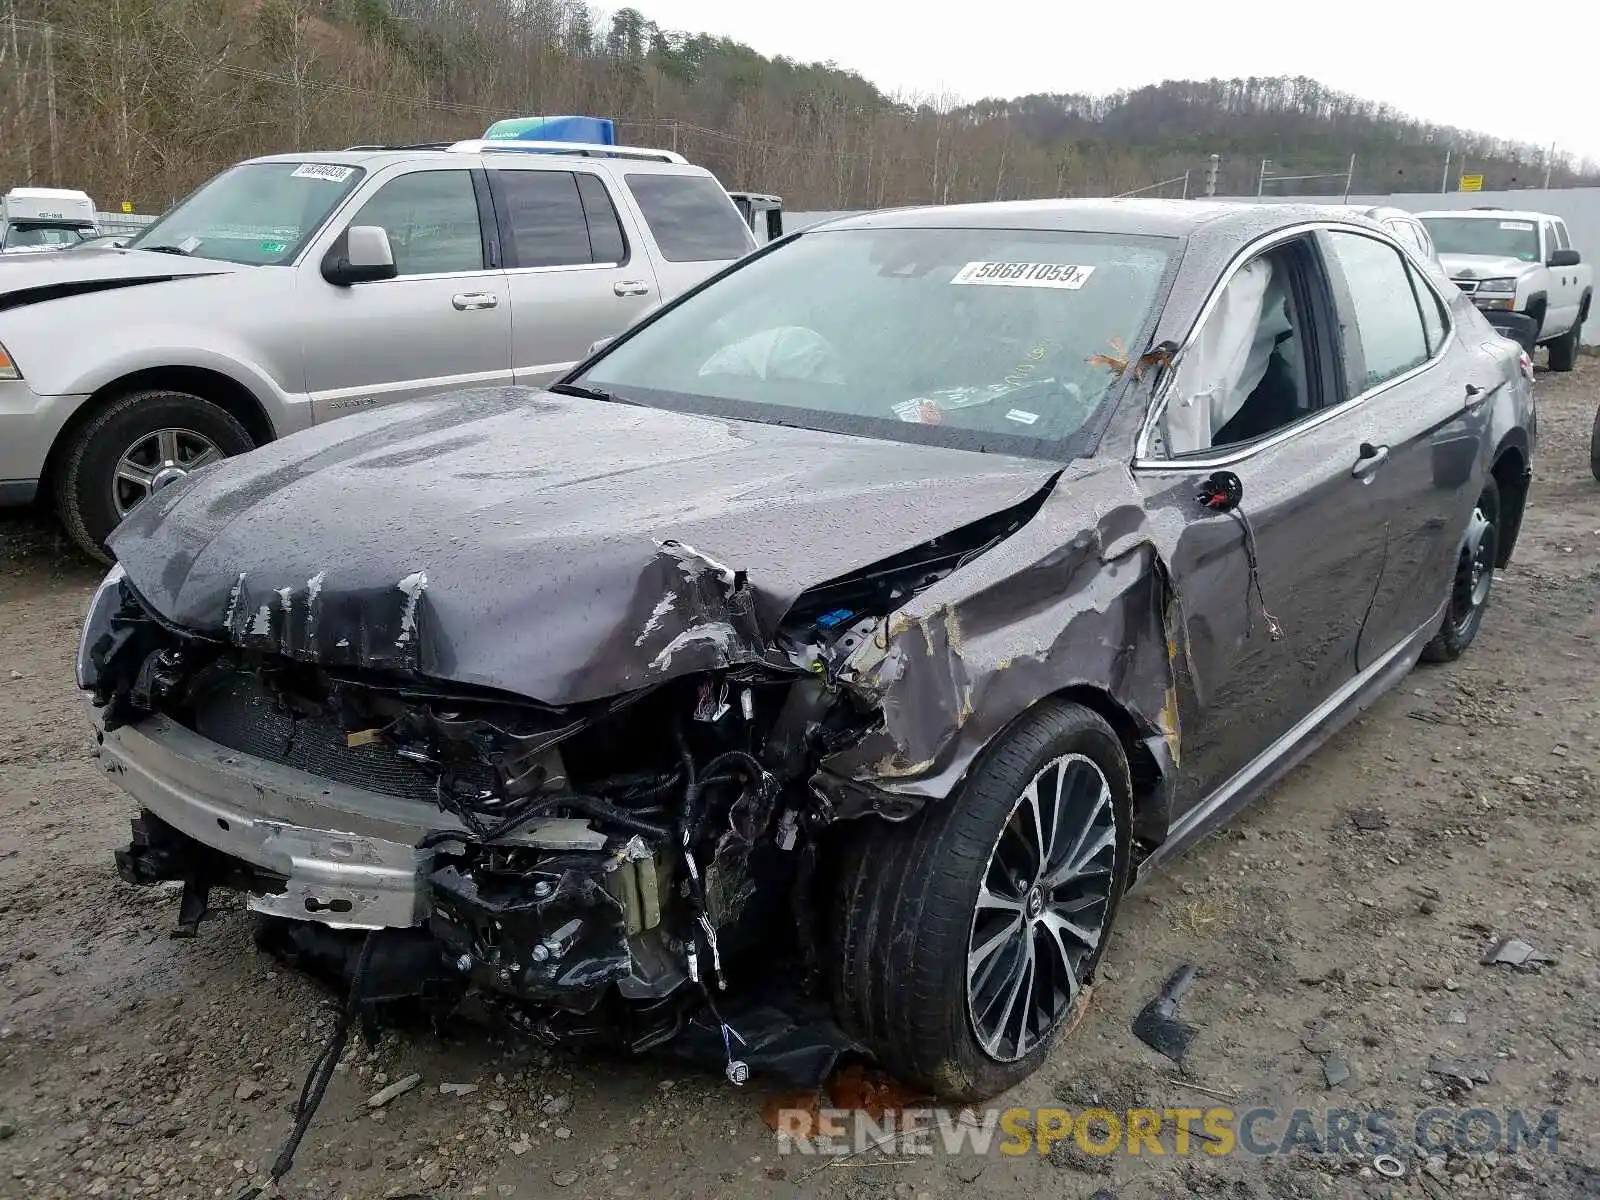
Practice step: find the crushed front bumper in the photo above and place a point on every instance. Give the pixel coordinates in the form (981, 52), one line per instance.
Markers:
(342, 856)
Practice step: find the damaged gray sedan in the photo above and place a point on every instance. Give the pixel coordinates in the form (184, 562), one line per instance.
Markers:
(814, 669)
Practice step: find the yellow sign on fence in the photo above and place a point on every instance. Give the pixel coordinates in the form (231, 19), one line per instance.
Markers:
(127, 206)
(1472, 183)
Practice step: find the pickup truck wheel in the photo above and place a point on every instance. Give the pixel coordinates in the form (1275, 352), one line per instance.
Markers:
(1472, 581)
(963, 938)
(132, 448)
(1564, 350)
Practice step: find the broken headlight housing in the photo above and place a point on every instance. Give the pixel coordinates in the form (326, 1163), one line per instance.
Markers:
(97, 623)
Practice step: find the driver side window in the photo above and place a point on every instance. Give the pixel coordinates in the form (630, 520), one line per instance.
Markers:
(1244, 376)
(432, 221)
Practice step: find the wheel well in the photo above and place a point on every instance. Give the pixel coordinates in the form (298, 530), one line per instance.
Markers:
(1583, 306)
(1510, 473)
(228, 394)
(1149, 785)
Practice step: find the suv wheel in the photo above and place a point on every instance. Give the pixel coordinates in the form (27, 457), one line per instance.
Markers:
(132, 448)
(1472, 582)
(964, 937)
(1564, 350)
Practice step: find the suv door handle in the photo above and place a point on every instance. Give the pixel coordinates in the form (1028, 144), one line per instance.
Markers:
(472, 301)
(631, 287)
(1370, 459)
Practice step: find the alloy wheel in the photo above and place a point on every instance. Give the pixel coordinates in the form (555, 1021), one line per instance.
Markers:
(1474, 571)
(1042, 907)
(155, 460)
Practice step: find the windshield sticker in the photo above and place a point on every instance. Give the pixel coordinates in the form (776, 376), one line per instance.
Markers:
(1021, 417)
(1518, 226)
(1025, 274)
(189, 245)
(919, 412)
(327, 172)
(272, 247)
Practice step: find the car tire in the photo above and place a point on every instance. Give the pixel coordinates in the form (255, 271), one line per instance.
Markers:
(91, 497)
(906, 913)
(1472, 581)
(1594, 446)
(1564, 350)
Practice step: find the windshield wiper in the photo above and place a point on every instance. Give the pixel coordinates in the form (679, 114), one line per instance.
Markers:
(587, 393)
(164, 250)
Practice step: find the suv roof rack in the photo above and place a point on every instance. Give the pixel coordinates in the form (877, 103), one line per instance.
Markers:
(585, 149)
(403, 146)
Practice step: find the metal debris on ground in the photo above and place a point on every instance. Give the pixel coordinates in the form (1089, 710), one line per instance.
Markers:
(1157, 1025)
(1468, 1070)
(1517, 954)
(394, 1091)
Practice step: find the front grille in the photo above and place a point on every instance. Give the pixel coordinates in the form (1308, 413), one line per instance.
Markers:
(241, 715)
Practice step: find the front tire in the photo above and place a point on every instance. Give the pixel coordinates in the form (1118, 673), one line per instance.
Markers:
(1564, 350)
(131, 448)
(963, 937)
(1472, 582)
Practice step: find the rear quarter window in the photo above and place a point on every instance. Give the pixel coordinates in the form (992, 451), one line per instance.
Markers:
(692, 218)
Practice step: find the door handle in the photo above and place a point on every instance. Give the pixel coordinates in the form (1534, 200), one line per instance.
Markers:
(1476, 396)
(473, 301)
(631, 287)
(1369, 460)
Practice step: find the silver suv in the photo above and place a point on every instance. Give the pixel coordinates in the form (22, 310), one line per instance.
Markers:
(297, 288)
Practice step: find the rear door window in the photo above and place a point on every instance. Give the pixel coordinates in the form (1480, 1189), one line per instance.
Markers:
(692, 218)
(545, 212)
(1388, 320)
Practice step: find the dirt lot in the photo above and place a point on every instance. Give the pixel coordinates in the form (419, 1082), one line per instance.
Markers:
(135, 1065)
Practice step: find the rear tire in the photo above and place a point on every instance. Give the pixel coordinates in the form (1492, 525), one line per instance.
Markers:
(1564, 350)
(97, 481)
(932, 982)
(1473, 581)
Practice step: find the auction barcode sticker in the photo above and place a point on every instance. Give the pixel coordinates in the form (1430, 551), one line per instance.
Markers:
(327, 172)
(1518, 226)
(1025, 274)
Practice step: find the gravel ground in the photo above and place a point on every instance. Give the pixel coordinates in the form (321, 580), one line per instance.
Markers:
(1338, 926)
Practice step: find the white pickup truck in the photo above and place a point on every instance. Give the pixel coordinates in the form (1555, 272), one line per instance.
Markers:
(1522, 262)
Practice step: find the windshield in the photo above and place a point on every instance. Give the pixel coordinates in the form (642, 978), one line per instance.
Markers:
(255, 213)
(978, 338)
(1483, 235)
(25, 234)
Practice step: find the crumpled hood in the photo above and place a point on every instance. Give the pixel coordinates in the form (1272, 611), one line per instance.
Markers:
(62, 273)
(559, 548)
(1483, 266)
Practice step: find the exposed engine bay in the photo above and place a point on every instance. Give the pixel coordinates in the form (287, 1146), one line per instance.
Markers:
(622, 871)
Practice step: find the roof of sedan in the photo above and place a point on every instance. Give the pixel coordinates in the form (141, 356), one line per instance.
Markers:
(1158, 218)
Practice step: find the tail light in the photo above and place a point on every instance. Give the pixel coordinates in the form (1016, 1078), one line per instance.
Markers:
(1526, 364)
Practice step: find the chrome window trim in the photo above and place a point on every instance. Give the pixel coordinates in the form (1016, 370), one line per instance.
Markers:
(1142, 462)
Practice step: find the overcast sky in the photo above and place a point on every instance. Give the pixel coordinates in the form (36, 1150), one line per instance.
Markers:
(1520, 71)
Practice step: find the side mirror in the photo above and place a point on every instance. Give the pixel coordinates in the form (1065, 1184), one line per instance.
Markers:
(362, 255)
(1564, 258)
(600, 344)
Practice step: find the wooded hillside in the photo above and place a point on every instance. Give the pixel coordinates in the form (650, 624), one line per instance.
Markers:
(140, 100)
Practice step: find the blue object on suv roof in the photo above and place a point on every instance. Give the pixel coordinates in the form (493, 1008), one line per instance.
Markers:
(593, 131)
